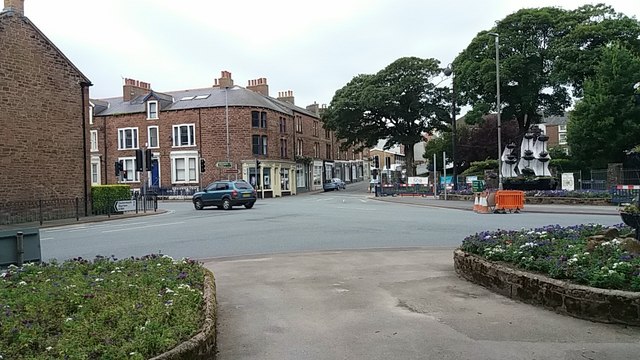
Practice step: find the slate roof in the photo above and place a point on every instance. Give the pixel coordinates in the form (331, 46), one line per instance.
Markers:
(555, 120)
(201, 98)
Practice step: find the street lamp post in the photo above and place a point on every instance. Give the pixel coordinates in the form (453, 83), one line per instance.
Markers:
(449, 72)
(497, 36)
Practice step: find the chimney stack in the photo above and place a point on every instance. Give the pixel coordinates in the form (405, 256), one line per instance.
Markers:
(286, 96)
(225, 80)
(134, 88)
(259, 85)
(16, 6)
(314, 108)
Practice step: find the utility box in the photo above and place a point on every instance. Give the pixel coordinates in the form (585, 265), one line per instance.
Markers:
(19, 246)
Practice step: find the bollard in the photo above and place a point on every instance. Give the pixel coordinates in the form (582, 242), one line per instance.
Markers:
(77, 210)
(20, 247)
(40, 210)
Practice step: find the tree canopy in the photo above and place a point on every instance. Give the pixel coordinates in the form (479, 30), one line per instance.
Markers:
(606, 122)
(399, 104)
(543, 53)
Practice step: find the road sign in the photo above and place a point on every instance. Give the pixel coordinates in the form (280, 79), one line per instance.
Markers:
(224, 164)
(125, 205)
(231, 171)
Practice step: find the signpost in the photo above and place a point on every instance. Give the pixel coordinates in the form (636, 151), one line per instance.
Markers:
(231, 171)
(224, 164)
(125, 205)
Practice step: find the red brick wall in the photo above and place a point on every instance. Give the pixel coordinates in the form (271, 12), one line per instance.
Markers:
(210, 134)
(41, 146)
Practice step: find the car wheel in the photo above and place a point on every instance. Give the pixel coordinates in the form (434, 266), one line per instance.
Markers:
(226, 204)
(198, 204)
(249, 205)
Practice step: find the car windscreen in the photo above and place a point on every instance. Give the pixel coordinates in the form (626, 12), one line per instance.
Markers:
(243, 185)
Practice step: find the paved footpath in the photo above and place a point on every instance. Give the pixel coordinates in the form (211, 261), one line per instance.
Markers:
(390, 304)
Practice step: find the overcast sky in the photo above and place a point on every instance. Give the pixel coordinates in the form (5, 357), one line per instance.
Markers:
(310, 47)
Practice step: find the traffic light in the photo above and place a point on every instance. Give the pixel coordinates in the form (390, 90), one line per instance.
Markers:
(258, 164)
(147, 159)
(202, 164)
(139, 160)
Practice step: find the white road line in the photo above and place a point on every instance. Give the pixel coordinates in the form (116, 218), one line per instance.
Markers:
(354, 208)
(143, 227)
(80, 227)
(46, 238)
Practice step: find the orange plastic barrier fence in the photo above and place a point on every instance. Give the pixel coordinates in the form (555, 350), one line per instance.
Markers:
(510, 200)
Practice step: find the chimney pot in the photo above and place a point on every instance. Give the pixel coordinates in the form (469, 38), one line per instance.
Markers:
(16, 6)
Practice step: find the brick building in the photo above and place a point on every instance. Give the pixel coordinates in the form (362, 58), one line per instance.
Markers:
(222, 124)
(44, 102)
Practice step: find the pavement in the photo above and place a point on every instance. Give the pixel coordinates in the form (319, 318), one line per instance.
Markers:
(403, 303)
(389, 304)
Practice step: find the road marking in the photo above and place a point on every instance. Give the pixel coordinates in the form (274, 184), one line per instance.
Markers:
(143, 227)
(80, 227)
(354, 208)
(46, 238)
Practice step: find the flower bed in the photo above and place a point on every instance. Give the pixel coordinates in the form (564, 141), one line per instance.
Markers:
(106, 308)
(584, 254)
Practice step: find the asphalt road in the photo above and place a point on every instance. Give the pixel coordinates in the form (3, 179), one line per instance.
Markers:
(348, 219)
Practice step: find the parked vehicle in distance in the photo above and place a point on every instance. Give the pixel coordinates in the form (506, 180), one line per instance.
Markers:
(334, 184)
(225, 194)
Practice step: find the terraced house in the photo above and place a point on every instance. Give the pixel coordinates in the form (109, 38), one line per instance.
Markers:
(226, 130)
(44, 101)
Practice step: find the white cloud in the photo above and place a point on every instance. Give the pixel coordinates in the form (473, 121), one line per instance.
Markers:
(312, 48)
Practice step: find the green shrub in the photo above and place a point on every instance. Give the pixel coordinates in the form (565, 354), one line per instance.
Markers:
(478, 167)
(104, 196)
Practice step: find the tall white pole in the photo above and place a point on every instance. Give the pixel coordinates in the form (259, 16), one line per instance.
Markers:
(444, 173)
(435, 177)
(499, 110)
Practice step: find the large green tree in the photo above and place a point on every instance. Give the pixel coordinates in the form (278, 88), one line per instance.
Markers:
(477, 142)
(399, 104)
(606, 122)
(543, 54)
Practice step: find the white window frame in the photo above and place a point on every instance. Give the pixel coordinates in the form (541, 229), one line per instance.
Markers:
(96, 178)
(121, 138)
(93, 140)
(91, 114)
(562, 128)
(191, 134)
(153, 115)
(300, 147)
(150, 146)
(129, 164)
(562, 138)
(191, 175)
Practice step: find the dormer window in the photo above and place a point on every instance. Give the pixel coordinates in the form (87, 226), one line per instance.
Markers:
(152, 110)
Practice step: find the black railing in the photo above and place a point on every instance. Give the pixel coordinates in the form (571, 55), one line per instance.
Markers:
(16, 212)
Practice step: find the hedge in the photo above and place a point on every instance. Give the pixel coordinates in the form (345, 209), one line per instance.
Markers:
(104, 196)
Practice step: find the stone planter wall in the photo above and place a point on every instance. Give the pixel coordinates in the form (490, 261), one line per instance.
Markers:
(203, 344)
(609, 306)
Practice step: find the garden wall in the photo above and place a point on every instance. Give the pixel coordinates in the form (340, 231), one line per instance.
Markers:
(203, 344)
(610, 306)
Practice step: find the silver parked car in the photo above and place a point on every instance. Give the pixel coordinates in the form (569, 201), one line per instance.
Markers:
(334, 184)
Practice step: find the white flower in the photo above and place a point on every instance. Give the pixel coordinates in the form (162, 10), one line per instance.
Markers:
(572, 260)
(132, 353)
(158, 264)
(98, 279)
(528, 245)
(49, 348)
(570, 246)
(169, 291)
(68, 319)
(612, 272)
(586, 254)
(22, 283)
(167, 257)
(3, 275)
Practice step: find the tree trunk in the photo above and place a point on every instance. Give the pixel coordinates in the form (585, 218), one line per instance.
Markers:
(408, 153)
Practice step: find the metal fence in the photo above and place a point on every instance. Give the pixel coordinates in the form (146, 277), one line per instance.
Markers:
(19, 212)
(16, 212)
